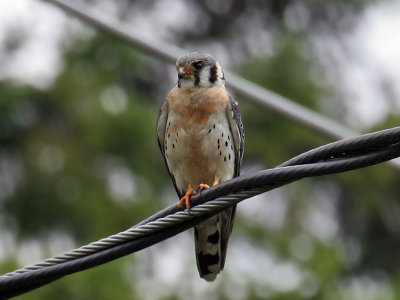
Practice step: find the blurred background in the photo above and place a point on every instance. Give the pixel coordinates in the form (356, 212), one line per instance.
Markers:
(79, 158)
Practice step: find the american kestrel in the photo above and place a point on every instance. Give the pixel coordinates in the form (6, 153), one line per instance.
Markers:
(201, 137)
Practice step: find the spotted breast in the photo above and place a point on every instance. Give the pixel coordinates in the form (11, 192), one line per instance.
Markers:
(198, 143)
(201, 137)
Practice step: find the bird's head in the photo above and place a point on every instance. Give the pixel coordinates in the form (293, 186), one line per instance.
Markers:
(199, 70)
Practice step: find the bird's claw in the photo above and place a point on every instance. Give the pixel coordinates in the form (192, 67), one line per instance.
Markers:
(203, 186)
(185, 200)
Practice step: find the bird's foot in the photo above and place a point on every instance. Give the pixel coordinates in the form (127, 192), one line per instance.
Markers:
(185, 200)
(203, 186)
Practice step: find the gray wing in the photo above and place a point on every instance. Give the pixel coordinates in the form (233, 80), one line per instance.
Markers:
(227, 215)
(161, 129)
(236, 125)
(162, 125)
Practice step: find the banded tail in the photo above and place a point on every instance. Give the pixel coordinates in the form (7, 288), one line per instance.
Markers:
(211, 241)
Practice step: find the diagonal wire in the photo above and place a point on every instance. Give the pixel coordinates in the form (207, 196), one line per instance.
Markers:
(257, 182)
(332, 158)
(352, 146)
(238, 84)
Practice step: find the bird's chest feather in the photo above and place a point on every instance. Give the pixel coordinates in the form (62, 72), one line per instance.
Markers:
(198, 141)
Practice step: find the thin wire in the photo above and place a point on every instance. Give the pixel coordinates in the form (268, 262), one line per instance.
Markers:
(238, 84)
(243, 87)
(358, 152)
(15, 282)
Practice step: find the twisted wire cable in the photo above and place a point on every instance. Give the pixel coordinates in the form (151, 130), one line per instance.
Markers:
(247, 89)
(332, 158)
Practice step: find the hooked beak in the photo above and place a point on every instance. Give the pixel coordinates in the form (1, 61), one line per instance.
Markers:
(183, 73)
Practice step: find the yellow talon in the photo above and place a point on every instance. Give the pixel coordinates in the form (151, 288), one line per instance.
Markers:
(186, 198)
(204, 186)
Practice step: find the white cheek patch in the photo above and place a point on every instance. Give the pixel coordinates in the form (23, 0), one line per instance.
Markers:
(205, 76)
(187, 82)
(220, 73)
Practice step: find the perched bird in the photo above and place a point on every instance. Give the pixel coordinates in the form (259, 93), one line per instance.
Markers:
(201, 137)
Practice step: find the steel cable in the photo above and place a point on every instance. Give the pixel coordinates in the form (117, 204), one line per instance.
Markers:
(245, 88)
(333, 158)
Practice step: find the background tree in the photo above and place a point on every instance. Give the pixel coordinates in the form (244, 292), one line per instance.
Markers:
(79, 158)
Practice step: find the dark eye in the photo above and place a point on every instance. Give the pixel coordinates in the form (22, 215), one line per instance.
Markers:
(197, 65)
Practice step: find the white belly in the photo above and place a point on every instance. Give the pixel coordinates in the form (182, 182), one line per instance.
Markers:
(199, 153)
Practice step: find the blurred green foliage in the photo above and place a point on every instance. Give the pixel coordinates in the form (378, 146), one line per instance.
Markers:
(84, 156)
